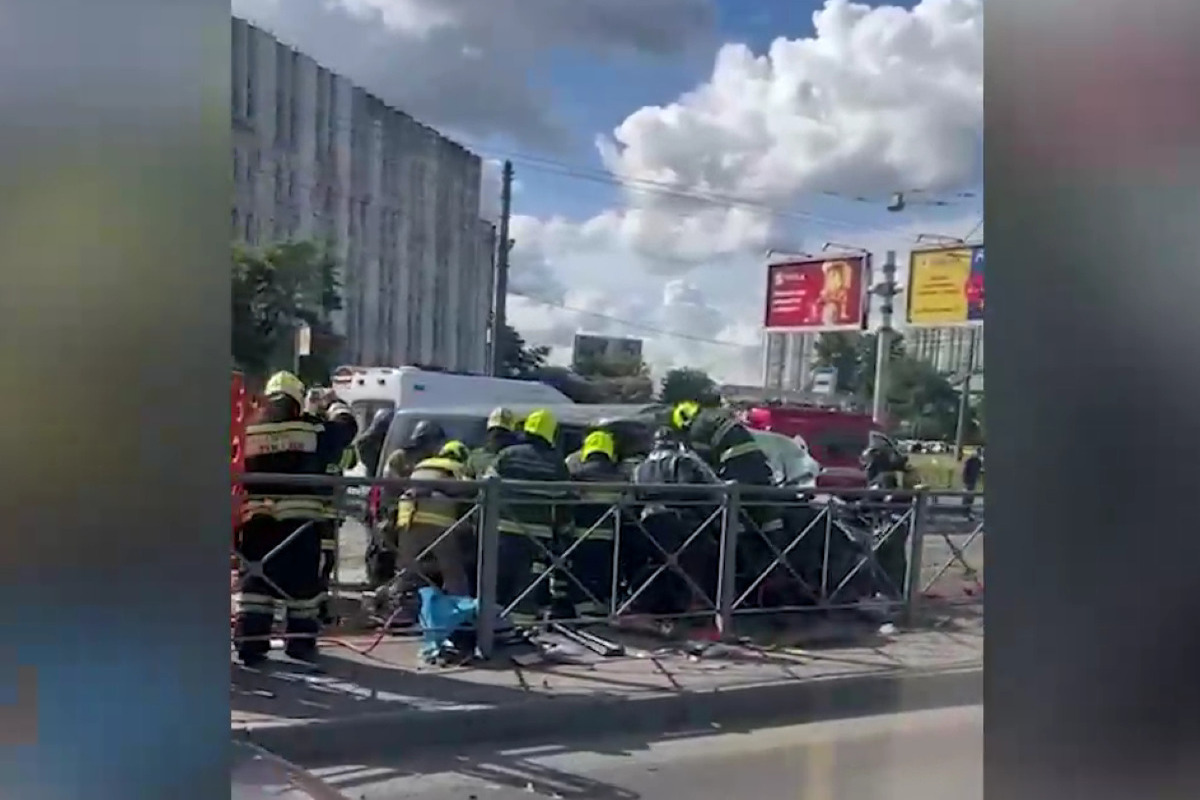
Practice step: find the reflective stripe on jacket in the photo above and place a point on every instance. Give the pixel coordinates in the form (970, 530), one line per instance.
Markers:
(423, 506)
(730, 448)
(531, 510)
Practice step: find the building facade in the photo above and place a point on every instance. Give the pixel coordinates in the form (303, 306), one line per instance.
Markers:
(318, 158)
(589, 347)
(947, 349)
(788, 360)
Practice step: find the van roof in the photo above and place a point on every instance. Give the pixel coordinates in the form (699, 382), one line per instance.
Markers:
(567, 413)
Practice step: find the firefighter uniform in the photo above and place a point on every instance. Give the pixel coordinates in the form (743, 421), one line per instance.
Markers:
(718, 436)
(426, 439)
(329, 534)
(533, 526)
(670, 518)
(501, 433)
(596, 523)
(887, 468)
(424, 516)
(280, 534)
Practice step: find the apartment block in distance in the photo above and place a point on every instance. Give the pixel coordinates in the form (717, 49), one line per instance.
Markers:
(316, 157)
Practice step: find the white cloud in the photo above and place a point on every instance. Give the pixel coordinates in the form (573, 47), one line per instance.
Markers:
(711, 319)
(878, 100)
(463, 65)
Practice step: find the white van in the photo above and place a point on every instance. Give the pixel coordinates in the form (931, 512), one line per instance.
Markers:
(369, 390)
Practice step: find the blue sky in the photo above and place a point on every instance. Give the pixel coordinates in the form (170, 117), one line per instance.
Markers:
(594, 95)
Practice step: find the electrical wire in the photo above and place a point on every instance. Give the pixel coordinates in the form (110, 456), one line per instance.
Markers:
(974, 230)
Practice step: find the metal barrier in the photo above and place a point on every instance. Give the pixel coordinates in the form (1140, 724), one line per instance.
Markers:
(586, 552)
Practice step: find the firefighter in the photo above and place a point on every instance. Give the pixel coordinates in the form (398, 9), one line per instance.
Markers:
(887, 468)
(718, 436)
(369, 444)
(281, 531)
(501, 433)
(426, 439)
(532, 525)
(596, 522)
(423, 515)
(669, 517)
(317, 403)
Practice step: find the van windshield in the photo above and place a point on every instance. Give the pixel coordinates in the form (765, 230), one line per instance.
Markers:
(468, 430)
(365, 411)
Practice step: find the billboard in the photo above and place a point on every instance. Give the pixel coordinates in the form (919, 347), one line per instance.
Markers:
(945, 287)
(817, 295)
(590, 348)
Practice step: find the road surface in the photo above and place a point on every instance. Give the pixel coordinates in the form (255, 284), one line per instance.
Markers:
(935, 755)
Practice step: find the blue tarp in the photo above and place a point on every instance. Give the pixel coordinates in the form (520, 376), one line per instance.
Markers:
(441, 615)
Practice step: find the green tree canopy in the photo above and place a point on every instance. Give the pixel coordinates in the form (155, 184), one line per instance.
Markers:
(518, 359)
(923, 402)
(686, 383)
(275, 290)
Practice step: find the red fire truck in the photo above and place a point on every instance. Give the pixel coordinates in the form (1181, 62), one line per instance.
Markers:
(835, 430)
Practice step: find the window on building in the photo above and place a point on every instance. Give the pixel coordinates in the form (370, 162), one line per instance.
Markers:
(251, 74)
(251, 230)
(237, 229)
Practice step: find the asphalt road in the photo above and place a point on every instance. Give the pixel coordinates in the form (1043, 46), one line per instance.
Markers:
(935, 755)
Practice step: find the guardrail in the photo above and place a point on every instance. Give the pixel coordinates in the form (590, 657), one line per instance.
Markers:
(616, 550)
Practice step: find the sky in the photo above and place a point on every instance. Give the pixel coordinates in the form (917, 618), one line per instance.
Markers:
(662, 147)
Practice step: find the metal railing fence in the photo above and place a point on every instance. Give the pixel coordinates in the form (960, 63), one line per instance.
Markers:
(588, 552)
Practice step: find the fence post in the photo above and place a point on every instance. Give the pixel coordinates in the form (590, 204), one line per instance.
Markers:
(727, 577)
(916, 549)
(487, 566)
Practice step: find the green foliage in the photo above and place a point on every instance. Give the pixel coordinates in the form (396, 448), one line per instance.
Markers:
(920, 399)
(686, 383)
(274, 291)
(517, 358)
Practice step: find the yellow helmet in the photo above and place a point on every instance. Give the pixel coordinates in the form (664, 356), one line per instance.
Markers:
(599, 442)
(684, 414)
(455, 451)
(541, 423)
(286, 384)
(501, 419)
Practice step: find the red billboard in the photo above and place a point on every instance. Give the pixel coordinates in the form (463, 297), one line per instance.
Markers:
(817, 295)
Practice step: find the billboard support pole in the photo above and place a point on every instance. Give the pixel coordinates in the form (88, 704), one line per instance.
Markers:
(885, 290)
(960, 430)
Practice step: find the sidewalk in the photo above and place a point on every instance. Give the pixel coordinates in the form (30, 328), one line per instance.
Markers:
(384, 702)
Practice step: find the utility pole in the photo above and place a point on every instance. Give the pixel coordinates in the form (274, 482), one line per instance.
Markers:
(960, 431)
(500, 295)
(886, 290)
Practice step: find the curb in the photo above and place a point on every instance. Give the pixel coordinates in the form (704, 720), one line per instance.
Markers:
(358, 739)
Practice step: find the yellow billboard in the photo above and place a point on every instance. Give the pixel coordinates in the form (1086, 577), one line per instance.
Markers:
(945, 287)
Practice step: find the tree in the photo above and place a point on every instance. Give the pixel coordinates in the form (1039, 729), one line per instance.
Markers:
(612, 367)
(686, 383)
(517, 358)
(274, 291)
(852, 354)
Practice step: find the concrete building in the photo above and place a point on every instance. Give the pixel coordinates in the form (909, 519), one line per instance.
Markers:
(788, 360)
(315, 157)
(947, 349)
